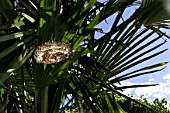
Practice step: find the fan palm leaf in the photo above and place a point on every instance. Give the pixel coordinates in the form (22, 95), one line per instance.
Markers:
(88, 81)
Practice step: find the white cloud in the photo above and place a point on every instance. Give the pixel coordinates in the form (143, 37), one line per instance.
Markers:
(151, 79)
(123, 83)
(159, 95)
(128, 91)
(146, 91)
(127, 83)
(160, 91)
(166, 77)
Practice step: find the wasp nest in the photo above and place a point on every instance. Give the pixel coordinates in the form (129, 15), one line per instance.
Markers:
(52, 52)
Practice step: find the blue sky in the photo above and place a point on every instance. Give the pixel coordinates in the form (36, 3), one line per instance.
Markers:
(162, 78)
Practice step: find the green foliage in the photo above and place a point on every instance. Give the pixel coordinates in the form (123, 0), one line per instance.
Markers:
(132, 107)
(88, 81)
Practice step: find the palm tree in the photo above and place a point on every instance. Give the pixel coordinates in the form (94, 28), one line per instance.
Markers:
(83, 74)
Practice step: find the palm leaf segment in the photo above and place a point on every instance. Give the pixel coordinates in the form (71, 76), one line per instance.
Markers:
(158, 14)
(88, 80)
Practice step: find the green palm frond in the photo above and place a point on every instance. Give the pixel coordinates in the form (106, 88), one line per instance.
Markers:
(88, 81)
(157, 13)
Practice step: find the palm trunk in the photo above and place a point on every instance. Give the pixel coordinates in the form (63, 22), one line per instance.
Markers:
(41, 100)
(44, 101)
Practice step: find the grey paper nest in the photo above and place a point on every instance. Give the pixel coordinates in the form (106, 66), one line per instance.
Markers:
(52, 52)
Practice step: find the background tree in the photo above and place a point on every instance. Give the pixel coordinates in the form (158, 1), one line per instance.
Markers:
(87, 81)
(132, 107)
